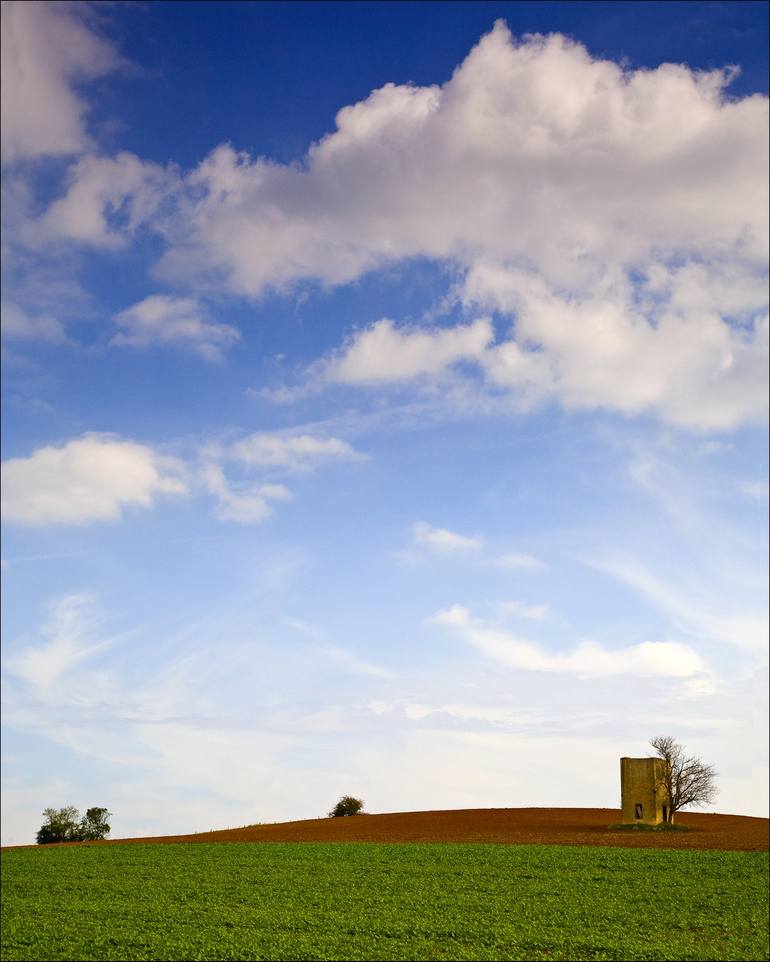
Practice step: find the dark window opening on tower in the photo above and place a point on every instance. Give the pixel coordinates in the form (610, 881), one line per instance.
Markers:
(638, 810)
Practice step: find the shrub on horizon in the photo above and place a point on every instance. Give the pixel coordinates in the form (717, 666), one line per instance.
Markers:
(347, 805)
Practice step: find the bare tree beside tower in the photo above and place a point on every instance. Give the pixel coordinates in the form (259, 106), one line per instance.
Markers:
(688, 780)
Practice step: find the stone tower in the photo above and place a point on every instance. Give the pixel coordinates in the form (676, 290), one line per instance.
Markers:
(643, 793)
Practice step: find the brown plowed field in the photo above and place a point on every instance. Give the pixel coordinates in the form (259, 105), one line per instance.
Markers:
(514, 826)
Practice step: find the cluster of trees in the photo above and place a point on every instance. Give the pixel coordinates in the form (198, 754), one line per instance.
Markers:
(66, 825)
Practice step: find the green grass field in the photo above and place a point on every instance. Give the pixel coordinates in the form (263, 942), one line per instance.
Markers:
(371, 901)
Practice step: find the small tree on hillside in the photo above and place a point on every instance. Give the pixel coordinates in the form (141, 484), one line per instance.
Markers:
(347, 805)
(94, 826)
(688, 780)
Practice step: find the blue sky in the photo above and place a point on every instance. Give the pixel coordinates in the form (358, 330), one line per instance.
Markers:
(385, 405)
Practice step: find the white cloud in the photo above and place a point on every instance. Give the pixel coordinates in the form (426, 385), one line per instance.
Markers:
(456, 616)
(247, 501)
(515, 560)
(46, 49)
(382, 353)
(429, 542)
(588, 349)
(293, 452)
(442, 540)
(568, 192)
(244, 503)
(527, 136)
(587, 659)
(95, 477)
(161, 319)
(90, 479)
(108, 199)
(603, 347)
(532, 612)
(17, 324)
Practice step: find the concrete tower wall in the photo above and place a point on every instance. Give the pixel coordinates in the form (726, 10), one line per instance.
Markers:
(643, 793)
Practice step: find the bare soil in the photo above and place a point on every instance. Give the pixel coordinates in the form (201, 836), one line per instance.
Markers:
(513, 826)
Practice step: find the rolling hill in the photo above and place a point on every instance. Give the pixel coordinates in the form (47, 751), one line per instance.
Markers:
(516, 826)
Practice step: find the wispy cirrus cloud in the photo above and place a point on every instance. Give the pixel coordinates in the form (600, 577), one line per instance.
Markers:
(586, 660)
(429, 541)
(70, 642)
(265, 454)
(334, 654)
(293, 452)
(519, 609)
(694, 608)
(243, 502)
(517, 561)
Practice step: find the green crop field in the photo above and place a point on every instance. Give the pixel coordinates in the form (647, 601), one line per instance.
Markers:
(372, 901)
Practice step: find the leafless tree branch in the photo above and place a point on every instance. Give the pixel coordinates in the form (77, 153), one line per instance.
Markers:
(688, 779)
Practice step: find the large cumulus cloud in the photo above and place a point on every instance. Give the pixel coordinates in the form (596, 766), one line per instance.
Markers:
(533, 154)
(615, 222)
(618, 218)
